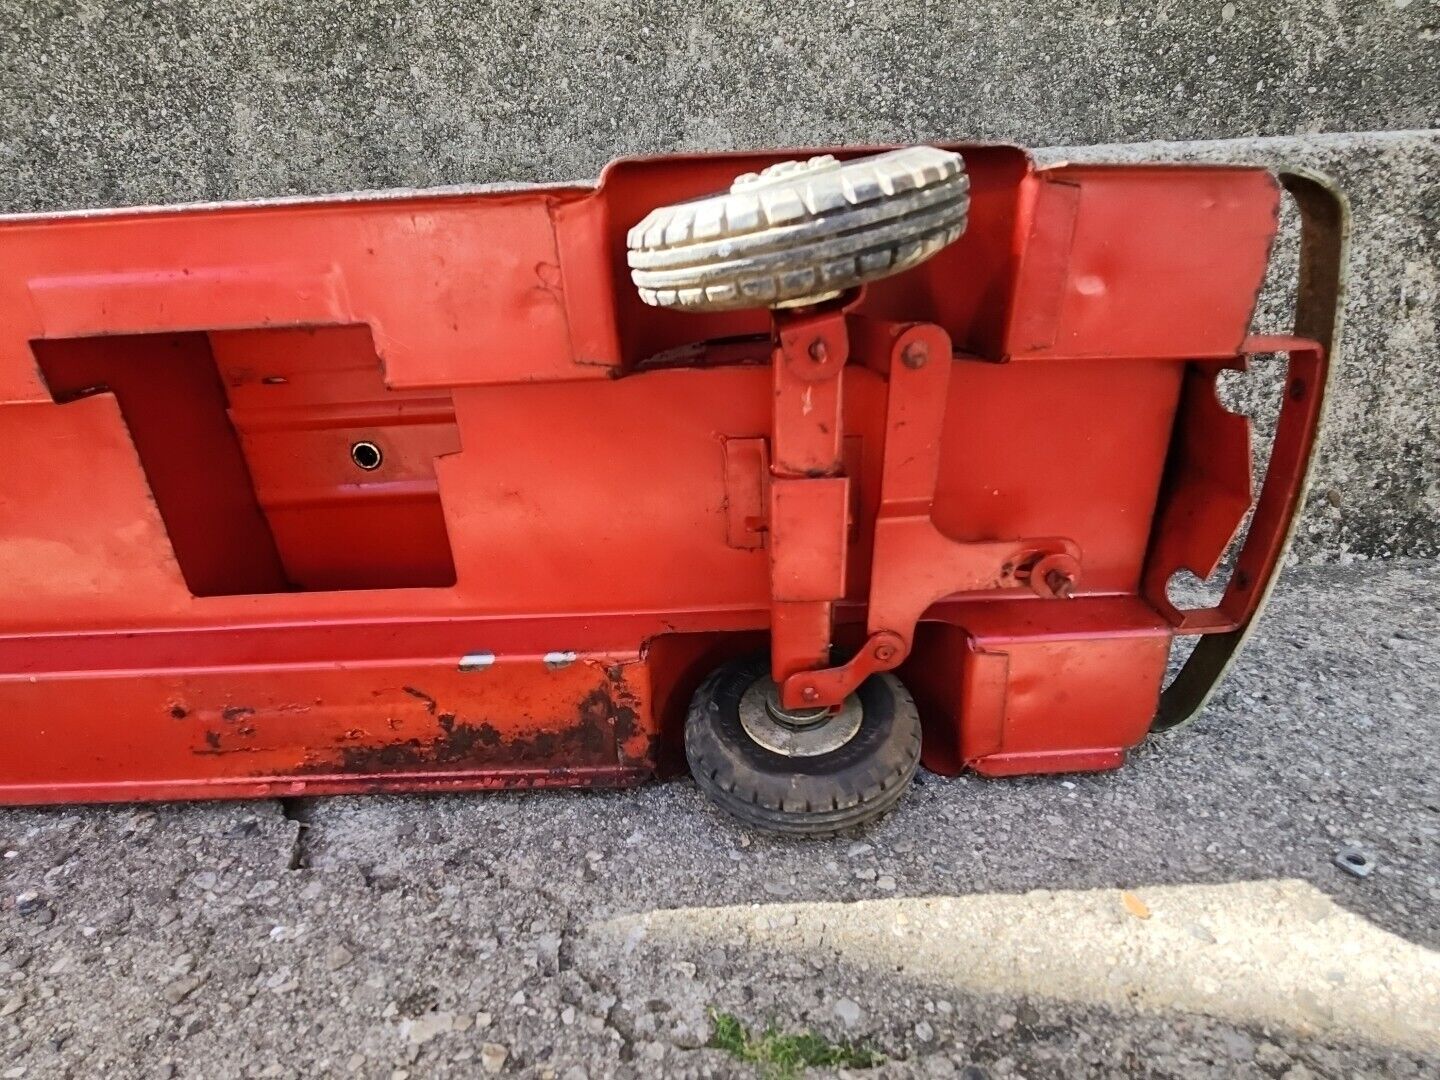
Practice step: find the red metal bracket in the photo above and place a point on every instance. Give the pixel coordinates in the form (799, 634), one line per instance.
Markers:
(914, 564)
(1280, 495)
(1324, 237)
(809, 497)
(747, 492)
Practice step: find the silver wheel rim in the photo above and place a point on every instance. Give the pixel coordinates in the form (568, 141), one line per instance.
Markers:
(807, 733)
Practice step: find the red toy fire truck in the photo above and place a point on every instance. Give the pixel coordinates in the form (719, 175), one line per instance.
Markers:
(867, 460)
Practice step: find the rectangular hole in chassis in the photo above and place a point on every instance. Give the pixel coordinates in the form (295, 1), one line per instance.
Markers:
(278, 459)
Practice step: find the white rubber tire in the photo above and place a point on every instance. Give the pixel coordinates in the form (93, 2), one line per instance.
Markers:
(801, 231)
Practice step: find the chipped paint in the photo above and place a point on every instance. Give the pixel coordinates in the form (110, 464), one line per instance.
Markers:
(592, 735)
(557, 660)
(476, 661)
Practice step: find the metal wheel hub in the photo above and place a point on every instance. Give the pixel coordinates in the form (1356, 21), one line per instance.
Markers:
(796, 733)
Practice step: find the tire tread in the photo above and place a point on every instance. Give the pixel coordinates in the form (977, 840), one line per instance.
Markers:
(867, 789)
(867, 219)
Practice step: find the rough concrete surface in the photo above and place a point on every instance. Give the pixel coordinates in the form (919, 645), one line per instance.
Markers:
(1180, 917)
(110, 103)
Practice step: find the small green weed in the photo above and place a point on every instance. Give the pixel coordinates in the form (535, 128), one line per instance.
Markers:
(778, 1056)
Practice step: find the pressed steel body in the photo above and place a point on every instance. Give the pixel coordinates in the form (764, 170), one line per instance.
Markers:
(583, 504)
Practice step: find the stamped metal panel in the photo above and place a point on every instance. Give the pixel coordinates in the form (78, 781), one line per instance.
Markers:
(457, 289)
(1148, 261)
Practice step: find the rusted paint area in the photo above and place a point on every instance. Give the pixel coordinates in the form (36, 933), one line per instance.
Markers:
(600, 726)
(636, 728)
(590, 741)
(510, 778)
(525, 715)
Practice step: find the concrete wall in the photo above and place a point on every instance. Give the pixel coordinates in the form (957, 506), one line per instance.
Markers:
(165, 100)
(108, 104)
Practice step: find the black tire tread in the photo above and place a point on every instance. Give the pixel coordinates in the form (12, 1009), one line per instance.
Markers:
(864, 790)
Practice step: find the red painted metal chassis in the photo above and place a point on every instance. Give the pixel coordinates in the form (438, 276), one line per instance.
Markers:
(982, 472)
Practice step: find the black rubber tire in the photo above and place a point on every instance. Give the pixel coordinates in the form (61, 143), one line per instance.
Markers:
(801, 796)
(801, 230)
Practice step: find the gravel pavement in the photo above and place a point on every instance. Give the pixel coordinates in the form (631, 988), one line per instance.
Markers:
(1181, 917)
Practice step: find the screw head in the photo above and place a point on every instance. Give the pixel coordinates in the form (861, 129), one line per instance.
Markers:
(884, 653)
(818, 352)
(915, 355)
(1060, 583)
